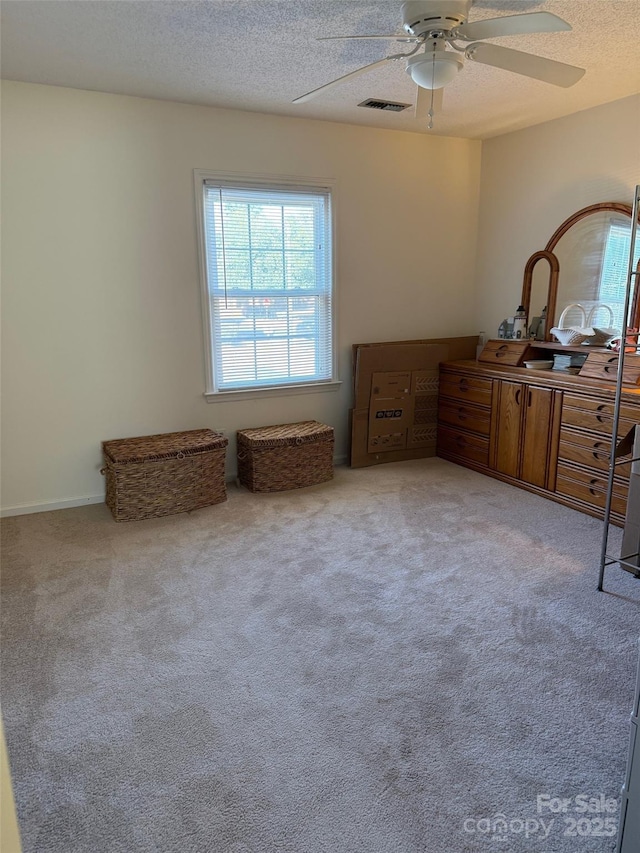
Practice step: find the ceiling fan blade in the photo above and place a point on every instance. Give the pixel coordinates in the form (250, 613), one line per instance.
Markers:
(396, 36)
(314, 92)
(423, 102)
(512, 25)
(538, 67)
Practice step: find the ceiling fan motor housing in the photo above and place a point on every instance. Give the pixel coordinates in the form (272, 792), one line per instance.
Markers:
(427, 16)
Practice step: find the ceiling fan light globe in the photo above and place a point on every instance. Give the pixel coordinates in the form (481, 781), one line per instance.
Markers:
(433, 70)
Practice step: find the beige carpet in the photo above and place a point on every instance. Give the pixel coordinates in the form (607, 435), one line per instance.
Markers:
(386, 663)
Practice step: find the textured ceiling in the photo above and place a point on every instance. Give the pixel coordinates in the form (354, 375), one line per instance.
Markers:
(260, 54)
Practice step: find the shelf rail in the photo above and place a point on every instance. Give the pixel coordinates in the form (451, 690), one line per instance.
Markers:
(607, 559)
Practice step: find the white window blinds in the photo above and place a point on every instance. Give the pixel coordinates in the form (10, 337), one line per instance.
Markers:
(613, 276)
(269, 285)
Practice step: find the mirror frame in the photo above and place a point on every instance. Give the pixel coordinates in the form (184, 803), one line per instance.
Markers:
(554, 265)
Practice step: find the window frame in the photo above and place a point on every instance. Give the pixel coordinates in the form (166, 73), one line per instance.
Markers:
(261, 182)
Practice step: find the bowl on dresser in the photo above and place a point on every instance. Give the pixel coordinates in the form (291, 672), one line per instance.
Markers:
(539, 364)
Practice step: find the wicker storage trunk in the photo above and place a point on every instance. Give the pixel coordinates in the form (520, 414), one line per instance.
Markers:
(156, 475)
(286, 456)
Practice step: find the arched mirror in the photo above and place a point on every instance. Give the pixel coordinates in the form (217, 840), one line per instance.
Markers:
(584, 268)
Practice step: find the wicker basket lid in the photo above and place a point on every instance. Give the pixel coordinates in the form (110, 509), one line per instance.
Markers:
(169, 445)
(282, 434)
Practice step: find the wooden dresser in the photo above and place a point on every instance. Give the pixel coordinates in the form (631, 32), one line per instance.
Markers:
(543, 430)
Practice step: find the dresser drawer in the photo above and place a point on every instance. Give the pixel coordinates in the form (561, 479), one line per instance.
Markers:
(588, 450)
(585, 492)
(602, 365)
(594, 421)
(468, 388)
(464, 415)
(596, 457)
(504, 352)
(597, 482)
(467, 446)
(600, 407)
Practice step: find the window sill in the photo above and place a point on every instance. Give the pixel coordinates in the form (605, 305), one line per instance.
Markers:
(284, 391)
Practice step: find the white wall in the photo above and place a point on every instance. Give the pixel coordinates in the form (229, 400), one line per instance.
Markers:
(533, 179)
(101, 305)
(9, 830)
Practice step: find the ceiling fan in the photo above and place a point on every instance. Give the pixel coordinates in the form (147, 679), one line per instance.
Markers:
(434, 26)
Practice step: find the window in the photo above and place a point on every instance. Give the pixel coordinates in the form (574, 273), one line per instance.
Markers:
(613, 275)
(268, 284)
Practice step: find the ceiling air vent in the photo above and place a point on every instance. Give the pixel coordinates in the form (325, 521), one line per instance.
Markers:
(390, 106)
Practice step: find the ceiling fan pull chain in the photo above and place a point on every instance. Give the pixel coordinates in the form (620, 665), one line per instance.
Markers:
(433, 72)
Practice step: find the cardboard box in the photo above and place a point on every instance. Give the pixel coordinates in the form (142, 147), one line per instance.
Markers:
(426, 382)
(390, 414)
(458, 348)
(395, 358)
(383, 452)
(391, 384)
(396, 397)
(424, 437)
(387, 442)
(423, 433)
(425, 409)
(389, 417)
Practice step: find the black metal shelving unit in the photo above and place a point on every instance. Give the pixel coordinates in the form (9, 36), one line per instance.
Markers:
(629, 562)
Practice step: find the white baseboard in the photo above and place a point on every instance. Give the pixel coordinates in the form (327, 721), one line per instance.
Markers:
(48, 506)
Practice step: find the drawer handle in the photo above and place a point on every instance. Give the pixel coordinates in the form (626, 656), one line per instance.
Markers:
(463, 385)
(461, 442)
(594, 493)
(601, 419)
(594, 481)
(601, 457)
(529, 400)
(517, 397)
(462, 415)
(500, 352)
(612, 365)
(601, 408)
